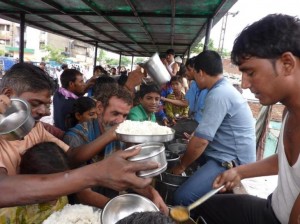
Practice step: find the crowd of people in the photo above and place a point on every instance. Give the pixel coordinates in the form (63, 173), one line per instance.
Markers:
(79, 158)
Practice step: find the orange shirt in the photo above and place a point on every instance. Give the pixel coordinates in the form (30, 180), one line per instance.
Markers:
(11, 151)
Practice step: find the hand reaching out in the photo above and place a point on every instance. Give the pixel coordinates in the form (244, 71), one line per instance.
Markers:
(120, 174)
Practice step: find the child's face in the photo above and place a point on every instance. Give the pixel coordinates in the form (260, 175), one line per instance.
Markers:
(176, 86)
(150, 102)
(87, 115)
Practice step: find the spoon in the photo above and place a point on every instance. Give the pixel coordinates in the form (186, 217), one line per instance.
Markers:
(181, 213)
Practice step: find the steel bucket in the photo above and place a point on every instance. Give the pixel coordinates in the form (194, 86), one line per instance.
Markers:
(166, 184)
(156, 69)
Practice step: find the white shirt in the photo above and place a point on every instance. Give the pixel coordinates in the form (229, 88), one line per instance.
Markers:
(288, 187)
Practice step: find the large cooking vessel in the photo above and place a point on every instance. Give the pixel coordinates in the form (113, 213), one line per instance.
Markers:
(156, 69)
(166, 184)
(177, 147)
(172, 159)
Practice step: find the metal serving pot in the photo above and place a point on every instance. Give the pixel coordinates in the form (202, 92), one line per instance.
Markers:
(178, 148)
(172, 159)
(166, 184)
(17, 121)
(156, 69)
(151, 151)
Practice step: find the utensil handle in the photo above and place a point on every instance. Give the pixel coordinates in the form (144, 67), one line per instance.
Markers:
(204, 198)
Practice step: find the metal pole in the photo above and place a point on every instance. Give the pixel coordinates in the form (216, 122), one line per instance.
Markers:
(132, 62)
(207, 34)
(95, 58)
(22, 31)
(120, 60)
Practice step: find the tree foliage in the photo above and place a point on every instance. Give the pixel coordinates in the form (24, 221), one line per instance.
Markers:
(54, 54)
(102, 55)
(199, 48)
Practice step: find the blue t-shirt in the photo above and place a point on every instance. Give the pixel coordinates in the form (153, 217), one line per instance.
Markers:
(196, 100)
(228, 124)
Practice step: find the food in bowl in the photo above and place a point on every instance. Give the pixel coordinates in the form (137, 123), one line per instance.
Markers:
(179, 214)
(142, 128)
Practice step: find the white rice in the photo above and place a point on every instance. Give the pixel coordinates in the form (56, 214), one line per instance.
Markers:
(75, 214)
(142, 128)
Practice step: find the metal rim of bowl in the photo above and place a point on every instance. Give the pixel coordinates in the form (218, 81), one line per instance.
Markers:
(173, 159)
(146, 138)
(160, 146)
(155, 172)
(27, 115)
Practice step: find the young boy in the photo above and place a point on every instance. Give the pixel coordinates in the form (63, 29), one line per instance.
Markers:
(173, 111)
(149, 97)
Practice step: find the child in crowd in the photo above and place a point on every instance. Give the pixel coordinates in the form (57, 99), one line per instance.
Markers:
(173, 111)
(43, 158)
(149, 97)
(84, 109)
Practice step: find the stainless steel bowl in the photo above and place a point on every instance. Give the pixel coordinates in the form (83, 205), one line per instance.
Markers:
(17, 121)
(145, 138)
(151, 151)
(124, 205)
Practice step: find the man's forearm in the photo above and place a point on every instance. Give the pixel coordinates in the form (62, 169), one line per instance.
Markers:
(31, 189)
(83, 153)
(181, 103)
(92, 198)
(195, 149)
(265, 167)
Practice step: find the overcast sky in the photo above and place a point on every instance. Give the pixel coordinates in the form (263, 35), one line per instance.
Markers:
(249, 12)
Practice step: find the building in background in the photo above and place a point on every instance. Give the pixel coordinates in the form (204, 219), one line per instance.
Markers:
(35, 41)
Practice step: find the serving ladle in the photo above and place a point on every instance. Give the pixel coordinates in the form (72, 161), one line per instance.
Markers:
(182, 214)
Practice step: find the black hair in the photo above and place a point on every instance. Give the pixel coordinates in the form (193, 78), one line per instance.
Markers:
(68, 75)
(63, 66)
(81, 105)
(176, 78)
(99, 67)
(108, 90)
(147, 218)
(210, 62)
(26, 77)
(170, 51)
(149, 88)
(102, 83)
(44, 158)
(190, 62)
(268, 38)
